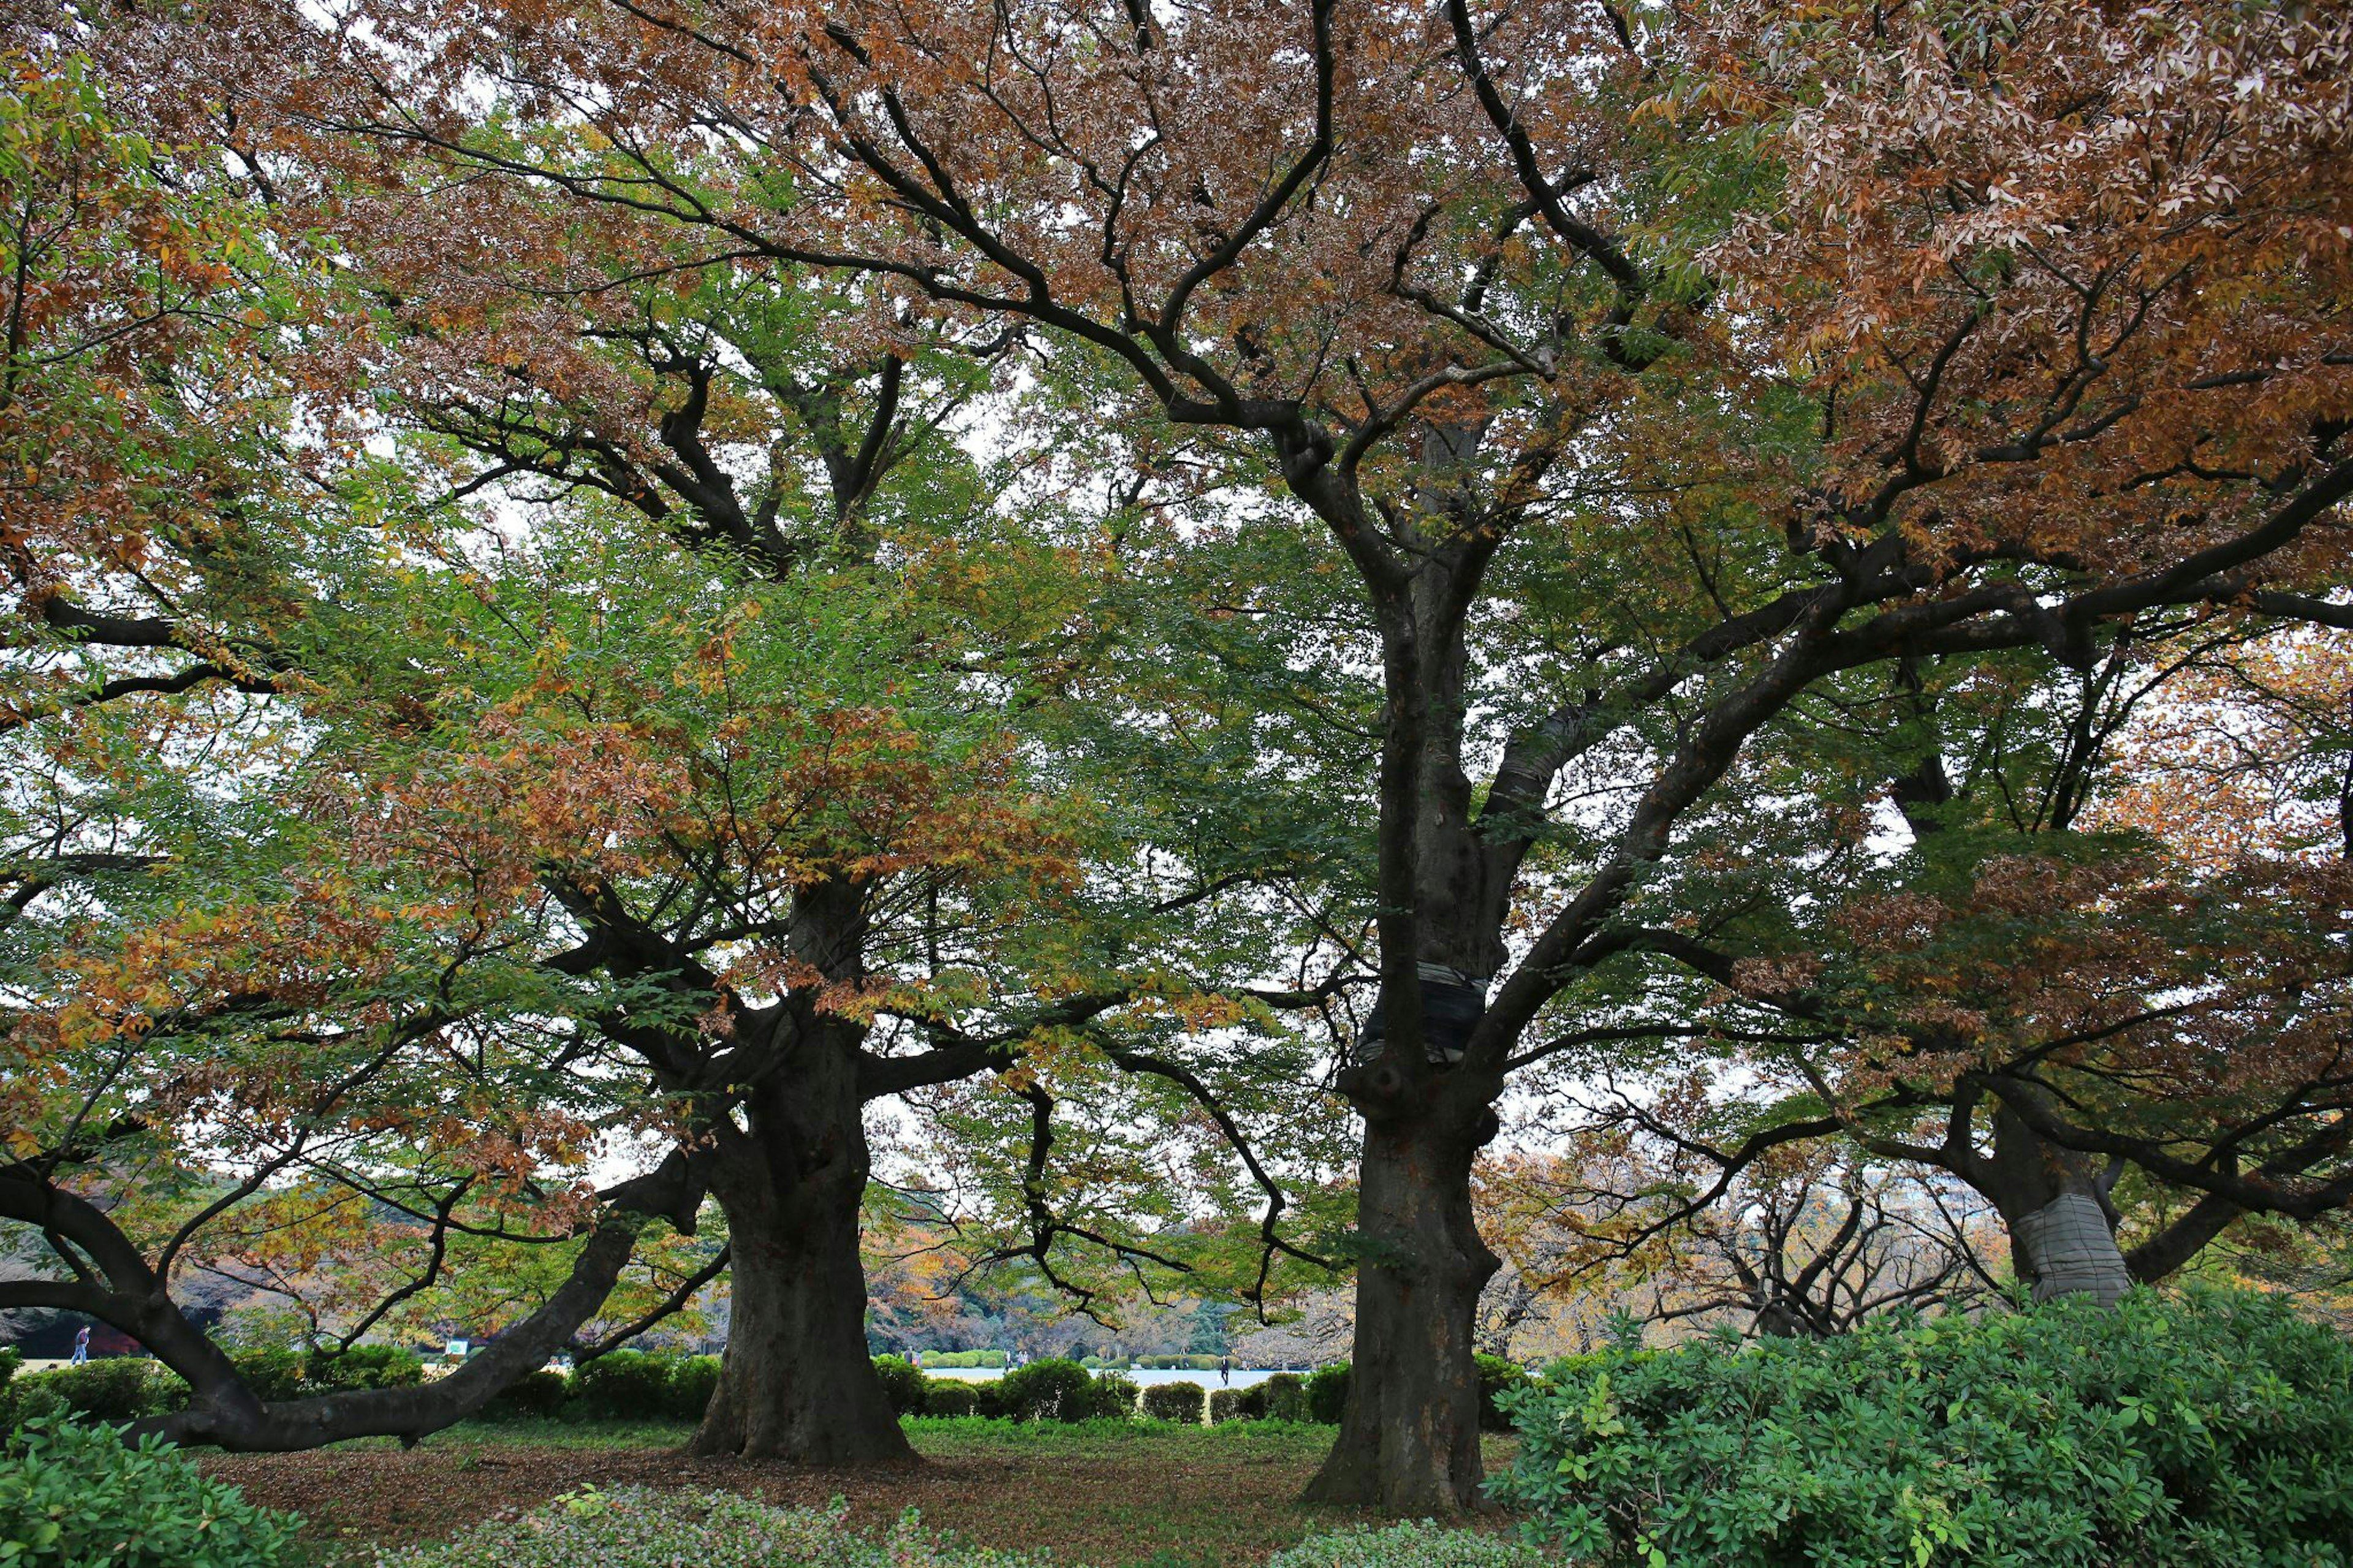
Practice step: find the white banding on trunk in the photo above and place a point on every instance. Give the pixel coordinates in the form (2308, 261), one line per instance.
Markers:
(2072, 1250)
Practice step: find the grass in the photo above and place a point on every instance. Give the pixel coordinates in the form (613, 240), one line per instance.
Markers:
(1110, 1494)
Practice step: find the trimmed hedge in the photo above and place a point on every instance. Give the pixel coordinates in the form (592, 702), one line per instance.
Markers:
(1232, 1405)
(2211, 1429)
(1283, 1397)
(903, 1384)
(949, 1397)
(536, 1396)
(1175, 1401)
(116, 1390)
(74, 1497)
(362, 1367)
(1326, 1395)
(623, 1384)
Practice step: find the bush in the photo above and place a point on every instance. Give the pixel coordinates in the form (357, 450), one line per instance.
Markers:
(963, 1358)
(1496, 1375)
(1284, 1396)
(11, 1358)
(113, 1391)
(1326, 1395)
(273, 1372)
(2213, 1429)
(1423, 1544)
(1233, 1405)
(536, 1394)
(1116, 1398)
(624, 1385)
(74, 1495)
(949, 1397)
(360, 1367)
(902, 1385)
(693, 1379)
(641, 1527)
(1054, 1390)
(1174, 1402)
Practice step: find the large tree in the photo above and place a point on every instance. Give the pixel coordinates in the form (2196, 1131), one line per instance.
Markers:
(1737, 348)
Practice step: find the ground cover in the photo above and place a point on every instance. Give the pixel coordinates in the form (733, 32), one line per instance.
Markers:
(1112, 1495)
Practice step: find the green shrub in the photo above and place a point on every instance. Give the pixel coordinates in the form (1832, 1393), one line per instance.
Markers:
(72, 1497)
(113, 1391)
(693, 1379)
(11, 1358)
(902, 1385)
(1174, 1402)
(624, 1385)
(274, 1372)
(1054, 1390)
(2208, 1430)
(362, 1367)
(1233, 1405)
(1326, 1393)
(963, 1358)
(1284, 1396)
(535, 1395)
(948, 1396)
(641, 1527)
(1116, 1398)
(1496, 1375)
(1413, 1545)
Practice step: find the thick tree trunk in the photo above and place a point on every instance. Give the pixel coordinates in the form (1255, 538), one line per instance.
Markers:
(2062, 1241)
(1409, 1437)
(797, 1381)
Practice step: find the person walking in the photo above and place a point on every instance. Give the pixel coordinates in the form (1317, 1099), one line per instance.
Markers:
(81, 1346)
(1225, 1368)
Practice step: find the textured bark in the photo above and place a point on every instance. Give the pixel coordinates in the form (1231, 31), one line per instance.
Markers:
(797, 1381)
(2054, 1200)
(1408, 1440)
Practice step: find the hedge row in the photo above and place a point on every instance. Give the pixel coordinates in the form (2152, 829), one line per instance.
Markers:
(639, 1386)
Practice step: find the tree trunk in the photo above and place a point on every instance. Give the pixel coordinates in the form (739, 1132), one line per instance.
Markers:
(2062, 1241)
(797, 1381)
(1409, 1436)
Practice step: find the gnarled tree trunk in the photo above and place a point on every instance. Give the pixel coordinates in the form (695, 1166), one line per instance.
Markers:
(1409, 1440)
(2062, 1239)
(797, 1381)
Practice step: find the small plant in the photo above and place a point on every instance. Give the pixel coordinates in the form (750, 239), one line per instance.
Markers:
(1327, 1393)
(1496, 1375)
(638, 1527)
(75, 1497)
(1284, 1396)
(903, 1385)
(949, 1397)
(1179, 1402)
(623, 1384)
(534, 1394)
(362, 1367)
(693, 1379)
(1412, 1544)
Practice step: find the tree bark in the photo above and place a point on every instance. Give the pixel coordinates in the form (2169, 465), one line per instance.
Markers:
(2063, 1238)
(1409, 1438)
(797, 1381)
